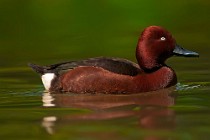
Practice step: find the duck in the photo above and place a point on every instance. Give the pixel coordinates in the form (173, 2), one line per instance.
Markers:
(112, 75)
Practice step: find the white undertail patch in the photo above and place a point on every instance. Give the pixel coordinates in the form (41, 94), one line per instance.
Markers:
(47, 80)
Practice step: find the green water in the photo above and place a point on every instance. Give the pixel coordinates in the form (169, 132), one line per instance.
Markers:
(47, 32)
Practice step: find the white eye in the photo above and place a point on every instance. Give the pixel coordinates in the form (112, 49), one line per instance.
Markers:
(162, 38)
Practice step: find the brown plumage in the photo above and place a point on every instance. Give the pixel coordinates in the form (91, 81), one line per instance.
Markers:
(116, 75)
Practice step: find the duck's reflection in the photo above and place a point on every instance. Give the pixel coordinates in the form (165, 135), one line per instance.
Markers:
(48, 123)
(47, 100)
(152, 109)
(164, 97)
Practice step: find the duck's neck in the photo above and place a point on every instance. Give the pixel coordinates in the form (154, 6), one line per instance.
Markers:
(147, 60)
(161, 78)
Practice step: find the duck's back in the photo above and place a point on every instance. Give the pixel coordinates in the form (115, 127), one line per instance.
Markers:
(116, 65)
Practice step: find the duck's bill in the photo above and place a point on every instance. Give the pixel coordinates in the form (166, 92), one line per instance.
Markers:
(179, 51)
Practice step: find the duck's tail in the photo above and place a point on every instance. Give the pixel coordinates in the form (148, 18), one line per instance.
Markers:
(39, 69)
(47, 75)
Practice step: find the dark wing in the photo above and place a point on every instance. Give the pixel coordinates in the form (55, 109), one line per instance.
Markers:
(116, 65)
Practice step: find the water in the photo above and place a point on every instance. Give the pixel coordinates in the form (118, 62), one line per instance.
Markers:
(46, 32)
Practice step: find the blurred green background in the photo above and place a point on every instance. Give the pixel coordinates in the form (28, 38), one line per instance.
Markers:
(50, 31)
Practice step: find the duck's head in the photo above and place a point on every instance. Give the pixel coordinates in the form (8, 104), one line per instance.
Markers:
(156, 45)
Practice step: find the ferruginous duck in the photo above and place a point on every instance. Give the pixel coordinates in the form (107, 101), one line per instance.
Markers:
(116, 75)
